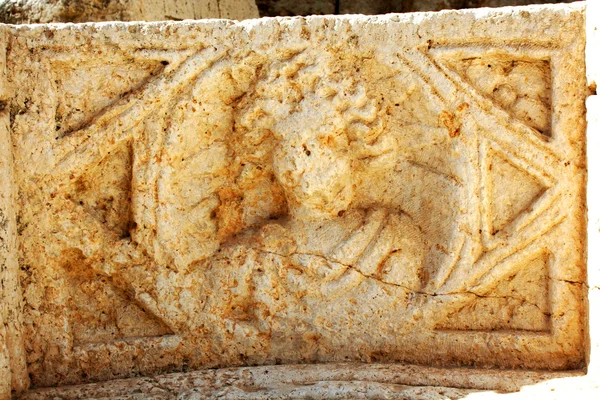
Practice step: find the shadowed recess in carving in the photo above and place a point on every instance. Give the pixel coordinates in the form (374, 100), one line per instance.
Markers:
(104, 190)
(511, 191)
(85, 89)
(100, 312)
(521, 87)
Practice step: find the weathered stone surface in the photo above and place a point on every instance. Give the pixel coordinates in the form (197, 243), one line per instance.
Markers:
(593, 184)
(336, 381)
(13, 375)
(44, 11)
(405, 188)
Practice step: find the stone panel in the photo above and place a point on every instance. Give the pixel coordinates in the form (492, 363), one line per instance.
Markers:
(402, 188)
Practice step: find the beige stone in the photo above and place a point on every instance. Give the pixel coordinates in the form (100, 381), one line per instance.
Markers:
(45, 11)
(359, 193)
(13, 375)
(334, 381)
(593, 184)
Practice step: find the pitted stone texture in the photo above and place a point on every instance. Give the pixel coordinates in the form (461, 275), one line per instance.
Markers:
(313, 190)
(13, 373)
(45, 11)
(334, 381)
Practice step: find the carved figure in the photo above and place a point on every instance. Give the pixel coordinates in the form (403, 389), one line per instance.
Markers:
(323, 246)
(294, 191)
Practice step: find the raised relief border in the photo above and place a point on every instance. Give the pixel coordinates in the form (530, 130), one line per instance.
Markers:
(514, 82)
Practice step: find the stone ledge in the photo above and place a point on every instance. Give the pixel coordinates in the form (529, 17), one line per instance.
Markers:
(333, 381)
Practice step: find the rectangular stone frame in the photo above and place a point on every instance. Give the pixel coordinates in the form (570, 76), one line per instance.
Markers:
(329, 378)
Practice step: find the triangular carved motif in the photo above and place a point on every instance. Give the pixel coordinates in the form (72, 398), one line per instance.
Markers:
(104, 191)
(519, 302)
(511, 191)
(101, 313)
(521, 87)
(86, 89)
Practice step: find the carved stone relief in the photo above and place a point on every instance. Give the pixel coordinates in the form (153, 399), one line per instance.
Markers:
(218, 194)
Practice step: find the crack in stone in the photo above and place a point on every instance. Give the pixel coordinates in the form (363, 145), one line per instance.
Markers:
(347, 266)
(569, 281)
(522, 300)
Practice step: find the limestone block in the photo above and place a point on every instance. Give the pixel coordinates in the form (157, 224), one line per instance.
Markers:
(324, 190)
(44, 11)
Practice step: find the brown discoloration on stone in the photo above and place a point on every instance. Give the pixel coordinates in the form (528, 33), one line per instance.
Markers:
(451, 123)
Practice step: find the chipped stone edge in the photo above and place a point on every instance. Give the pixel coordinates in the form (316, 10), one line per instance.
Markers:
(593, 183)
(13, 367)
(275, 379)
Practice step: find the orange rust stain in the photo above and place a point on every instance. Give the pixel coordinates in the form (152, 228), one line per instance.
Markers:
(451, 123)
(463, 107)
(229, 213)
